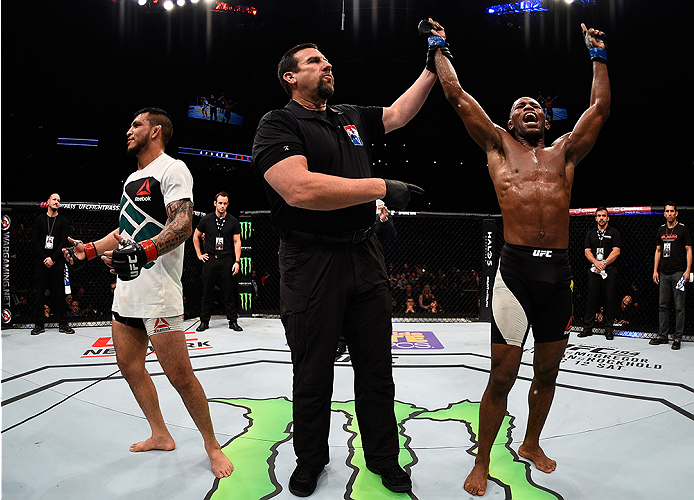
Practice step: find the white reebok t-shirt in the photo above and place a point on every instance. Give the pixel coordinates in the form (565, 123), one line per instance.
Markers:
(157, 292)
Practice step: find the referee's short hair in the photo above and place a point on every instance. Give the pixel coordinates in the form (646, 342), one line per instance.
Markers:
(289, 63)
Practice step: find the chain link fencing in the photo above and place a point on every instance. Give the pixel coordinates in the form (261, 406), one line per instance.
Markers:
(445, 258)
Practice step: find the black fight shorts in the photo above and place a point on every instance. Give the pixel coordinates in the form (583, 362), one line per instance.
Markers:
(532, 288)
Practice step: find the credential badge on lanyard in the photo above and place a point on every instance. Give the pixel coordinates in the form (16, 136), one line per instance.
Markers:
(600, 251)
(666, 249)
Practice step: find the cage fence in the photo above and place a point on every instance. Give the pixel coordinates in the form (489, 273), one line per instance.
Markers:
(441, 257)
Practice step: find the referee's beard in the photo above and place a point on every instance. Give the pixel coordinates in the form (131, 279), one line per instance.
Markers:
(325, 90)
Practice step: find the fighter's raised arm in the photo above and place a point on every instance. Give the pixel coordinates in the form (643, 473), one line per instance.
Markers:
(585, 133)
(480, 127)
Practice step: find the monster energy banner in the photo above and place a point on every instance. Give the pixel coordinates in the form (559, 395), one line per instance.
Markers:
(245, 276)
(246, 303)
(246, 230)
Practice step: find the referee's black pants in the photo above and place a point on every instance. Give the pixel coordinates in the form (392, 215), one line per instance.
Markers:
(598, 287)
(325, 290)
(218, 271)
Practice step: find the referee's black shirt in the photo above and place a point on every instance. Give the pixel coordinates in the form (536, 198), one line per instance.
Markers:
(335, 142)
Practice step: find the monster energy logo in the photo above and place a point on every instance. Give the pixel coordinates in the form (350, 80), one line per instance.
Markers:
(246, 230)
(246, 301)
(245, 265)
(255, 450)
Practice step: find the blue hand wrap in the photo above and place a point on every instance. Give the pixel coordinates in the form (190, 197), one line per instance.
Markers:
(437, 40)
(598, 53)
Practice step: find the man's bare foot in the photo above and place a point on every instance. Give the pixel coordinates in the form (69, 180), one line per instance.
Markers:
(164, 443)
(476, 482)
(538, 457)
(221, 465)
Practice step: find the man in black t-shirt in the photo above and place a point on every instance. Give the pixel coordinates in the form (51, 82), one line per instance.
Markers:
(220, 256)
(671, 269)
(602, 247)
(49, 237)
(316, 163)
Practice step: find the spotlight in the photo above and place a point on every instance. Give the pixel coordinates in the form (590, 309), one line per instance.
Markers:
(168, 5)
(141, 2)
(180, 3)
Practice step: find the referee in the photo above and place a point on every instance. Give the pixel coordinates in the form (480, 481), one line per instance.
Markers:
(221, 234)
(316, 163)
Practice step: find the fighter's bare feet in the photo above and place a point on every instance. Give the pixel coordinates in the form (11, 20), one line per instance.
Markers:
(162, 443)
(538, 457)
(221, 465)
(476, 482)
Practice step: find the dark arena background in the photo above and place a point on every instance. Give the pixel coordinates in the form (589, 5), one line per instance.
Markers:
(76, 71)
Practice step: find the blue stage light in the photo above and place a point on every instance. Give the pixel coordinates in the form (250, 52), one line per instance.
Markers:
(219, 155)
(527, 6)
(72, 141)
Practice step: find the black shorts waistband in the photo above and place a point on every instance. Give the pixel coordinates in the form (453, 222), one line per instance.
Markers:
(131, 322)
(304, 237)
(537, 252)
(545, 254)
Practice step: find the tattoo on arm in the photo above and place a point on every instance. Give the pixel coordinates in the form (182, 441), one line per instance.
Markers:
(178, 228)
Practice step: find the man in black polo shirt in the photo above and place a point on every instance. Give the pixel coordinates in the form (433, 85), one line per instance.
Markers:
(220, 260)
(317, 167)
(671, 269)
(602, 248)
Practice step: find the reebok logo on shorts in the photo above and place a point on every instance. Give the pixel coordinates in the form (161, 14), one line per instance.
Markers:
(161, 325)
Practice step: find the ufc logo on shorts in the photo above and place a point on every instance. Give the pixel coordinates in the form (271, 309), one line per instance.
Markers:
(542, 253)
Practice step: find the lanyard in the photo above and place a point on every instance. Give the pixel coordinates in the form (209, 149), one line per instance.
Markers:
(50, 232)
(220, 225)
(601, 235)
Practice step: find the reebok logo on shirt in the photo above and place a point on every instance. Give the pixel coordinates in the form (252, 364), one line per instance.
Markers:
(143, 194)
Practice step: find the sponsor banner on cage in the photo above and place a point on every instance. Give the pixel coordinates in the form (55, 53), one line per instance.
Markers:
(6, 297)
(245, 265)
(415, 340)
(112, 207)
(246, 301)
(246, 229)
(612, 210)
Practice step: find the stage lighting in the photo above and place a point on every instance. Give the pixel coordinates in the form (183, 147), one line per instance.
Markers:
(168, 5)
(531, 6)
(180, 3)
